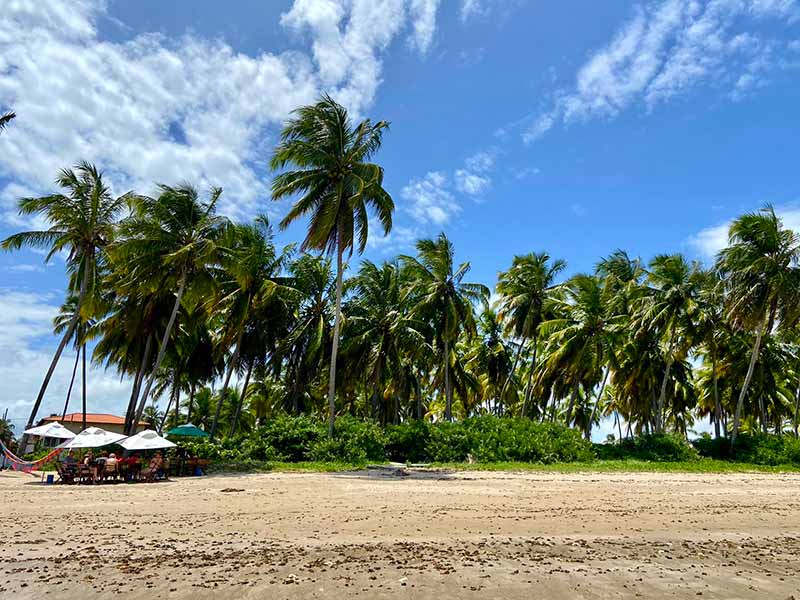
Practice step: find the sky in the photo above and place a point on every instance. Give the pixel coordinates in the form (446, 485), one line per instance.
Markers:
(575, 127)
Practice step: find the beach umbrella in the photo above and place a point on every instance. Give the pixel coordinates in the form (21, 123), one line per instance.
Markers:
(93, 437)
(51, 430)
(146, 440)
(187, 430)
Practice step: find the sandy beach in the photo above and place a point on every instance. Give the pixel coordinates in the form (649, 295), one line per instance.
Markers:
(431, 535)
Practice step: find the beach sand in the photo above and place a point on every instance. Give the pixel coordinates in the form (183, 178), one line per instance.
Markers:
(432, 535)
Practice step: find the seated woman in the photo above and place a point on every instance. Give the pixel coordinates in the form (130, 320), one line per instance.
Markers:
(154, 468)
(91, 464)
(110, 468)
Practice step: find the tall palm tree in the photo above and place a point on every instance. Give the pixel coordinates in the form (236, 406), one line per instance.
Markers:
(440, 294)
(524, 290)
(6, 119)
(760, 266)
(382, 335)
(82, 224)
(252, 275)
(667, 307)
(338, 185)
(168, 242)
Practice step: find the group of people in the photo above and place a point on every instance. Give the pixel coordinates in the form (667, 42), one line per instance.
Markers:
(105, 465)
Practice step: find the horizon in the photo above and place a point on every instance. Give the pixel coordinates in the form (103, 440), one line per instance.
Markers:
(644, 131)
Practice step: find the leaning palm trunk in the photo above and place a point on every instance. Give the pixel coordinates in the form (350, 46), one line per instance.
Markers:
(234, 364)
(796, 409)
(662, 397)
(173, 397)
(160, 356)
(511, 376)
(743, 393)
(137, 381)
(572, 400)
(242, 397)
(335, 349)
(191, 402)
(597, 402)
(529, 388)
(83, 388)
(71, 384)
(717, 406)
(448, 392)
(73, 323)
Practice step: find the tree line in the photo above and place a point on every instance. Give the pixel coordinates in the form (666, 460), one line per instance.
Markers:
(178, 298)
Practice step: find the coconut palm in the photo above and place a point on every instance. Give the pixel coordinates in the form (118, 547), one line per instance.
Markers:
(338, 185)
(382, 335)
(438, 293)
(251, 272)
(667, 307)
(524, 290)
(168, 243)
(82, 224)
(760, 267)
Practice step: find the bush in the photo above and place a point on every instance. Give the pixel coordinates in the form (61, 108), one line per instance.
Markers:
(666, 447)
(287, 439)
(758, 449)
(353, 441)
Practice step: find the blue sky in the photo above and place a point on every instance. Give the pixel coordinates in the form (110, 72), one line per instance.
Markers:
(574, 127)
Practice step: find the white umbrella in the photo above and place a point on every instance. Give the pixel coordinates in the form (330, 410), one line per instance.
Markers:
(146, 440)
(93, 437)
(51, 430)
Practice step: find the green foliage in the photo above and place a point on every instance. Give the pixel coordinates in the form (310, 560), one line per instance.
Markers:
(657, 448)
(353, 441)
(756, 449)
(487, 439)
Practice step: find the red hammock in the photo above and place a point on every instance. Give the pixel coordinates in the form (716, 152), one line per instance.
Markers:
(27, 466)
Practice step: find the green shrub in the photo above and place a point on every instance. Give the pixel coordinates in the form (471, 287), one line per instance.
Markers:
(666, 447)
(353, 441)
(758, 449)
(288, 439)
(408, 442)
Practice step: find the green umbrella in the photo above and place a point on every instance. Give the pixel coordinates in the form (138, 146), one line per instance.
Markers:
(187, 430)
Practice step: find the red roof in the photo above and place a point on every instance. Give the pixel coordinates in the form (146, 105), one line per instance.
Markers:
(93, 418)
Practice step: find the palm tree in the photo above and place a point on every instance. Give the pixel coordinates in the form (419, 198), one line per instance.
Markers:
(382, 335)
(438, 293)
(337, 185)
(580, 337)
(667, 307)
(82, 225)
(760, 266)
(6, 119)
(524, 290)
(252, 276)
(168, 242)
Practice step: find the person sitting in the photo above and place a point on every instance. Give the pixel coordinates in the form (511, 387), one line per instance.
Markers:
(110, 468)
(154, 468)
(69, 460)
(91, 465)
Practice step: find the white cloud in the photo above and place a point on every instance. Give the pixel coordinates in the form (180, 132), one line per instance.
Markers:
(526, 172)
(471, 183)
(399, 238)
(423, 18)
(25, 268)
(430, 199)
(669, 47)
(578, 210)
(153, 109)
(709, 241)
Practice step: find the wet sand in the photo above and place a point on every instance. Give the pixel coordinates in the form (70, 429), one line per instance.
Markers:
(466, 535)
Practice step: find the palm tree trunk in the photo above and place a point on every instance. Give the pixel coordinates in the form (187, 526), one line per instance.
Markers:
(242, 397)
(67, 335)
(743, 393)
(796, 409)
(717, 406)
(71, 383)
(513, 371)
(191, 402)
(619, 423)
(161, 351)
(172, 399)
(335, 349)
(662, 398)
(234, 364)
(529, 388)
(572, 400)
(137, 382)
(448, 392)
(177, 413)
(594, 408)
(83, 387)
